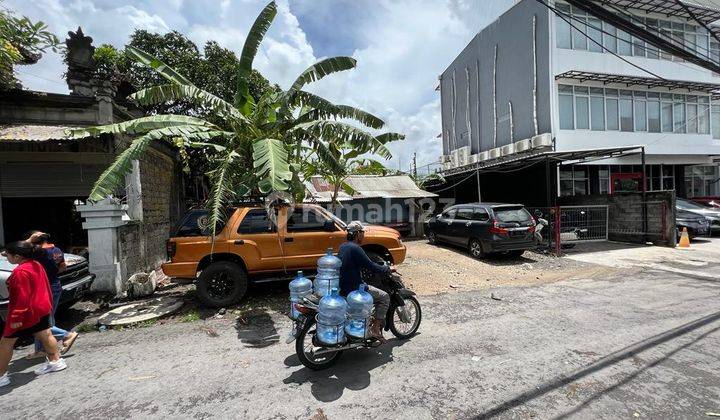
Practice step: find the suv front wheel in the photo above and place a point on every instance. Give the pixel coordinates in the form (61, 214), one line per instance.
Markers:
(221, 284)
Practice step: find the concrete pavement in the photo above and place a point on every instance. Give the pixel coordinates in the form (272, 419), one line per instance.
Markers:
(643, 345)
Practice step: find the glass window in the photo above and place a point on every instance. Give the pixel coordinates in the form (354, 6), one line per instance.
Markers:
(562, 35)
(464, 213)
(667, 117)
(256, 221)
(624, 43)
(626, 115)
(566, 112)
(613, 123)
(715, 123)
(704, 119)
(565, 89)
(196, 223)
(604, 176)
(610, 37)
(582, 112)
(611, 92)
(480, 215)
(640, 116)
(692, 118)
(512, 214)
(638, 47)
(581, 90)
(597, 112)
(595, 34)
(653, 116)
(678, 117)
(579, 40)
(305, 220)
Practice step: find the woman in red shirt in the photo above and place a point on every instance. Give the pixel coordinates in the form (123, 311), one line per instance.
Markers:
(29, 309)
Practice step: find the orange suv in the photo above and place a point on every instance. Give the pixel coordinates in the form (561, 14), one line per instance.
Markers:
(251, 248)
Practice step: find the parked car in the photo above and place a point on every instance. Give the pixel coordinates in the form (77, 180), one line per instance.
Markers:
(249, 247)
(708, 201)
(696, 224)
(76, 280)
(484, 228)
(712, 215)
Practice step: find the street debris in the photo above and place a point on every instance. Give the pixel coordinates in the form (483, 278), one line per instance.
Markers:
(492, 296)
(141, 285)
(319, 415)
(140, 311)
(210, 331)
(141, 378)
(711, 414)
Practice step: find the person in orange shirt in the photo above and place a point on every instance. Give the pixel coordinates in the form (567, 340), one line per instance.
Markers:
(29, 309)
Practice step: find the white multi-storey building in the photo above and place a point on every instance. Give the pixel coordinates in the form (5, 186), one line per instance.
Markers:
(589, 85)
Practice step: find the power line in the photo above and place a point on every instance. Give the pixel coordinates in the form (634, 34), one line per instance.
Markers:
(41, 77)
(562, 16)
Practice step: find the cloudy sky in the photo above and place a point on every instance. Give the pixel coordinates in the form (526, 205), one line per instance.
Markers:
(401, 47)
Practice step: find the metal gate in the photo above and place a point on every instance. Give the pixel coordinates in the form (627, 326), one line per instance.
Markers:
(569, 225)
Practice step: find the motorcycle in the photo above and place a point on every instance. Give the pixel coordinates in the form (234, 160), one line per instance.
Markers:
(403, 320)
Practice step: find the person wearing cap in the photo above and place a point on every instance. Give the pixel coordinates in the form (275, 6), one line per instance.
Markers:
(354, 259)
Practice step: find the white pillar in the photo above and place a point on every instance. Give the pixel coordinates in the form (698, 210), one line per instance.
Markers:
(102, 220)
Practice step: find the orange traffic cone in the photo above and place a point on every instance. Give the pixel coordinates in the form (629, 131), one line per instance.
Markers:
(684, 239)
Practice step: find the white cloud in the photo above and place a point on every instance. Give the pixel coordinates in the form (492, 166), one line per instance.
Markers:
(401, 48)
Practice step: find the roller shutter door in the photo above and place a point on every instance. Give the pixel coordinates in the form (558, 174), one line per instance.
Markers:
(33, 179)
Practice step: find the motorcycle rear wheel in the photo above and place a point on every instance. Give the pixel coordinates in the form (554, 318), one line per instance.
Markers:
(405, 330)
(304, 347)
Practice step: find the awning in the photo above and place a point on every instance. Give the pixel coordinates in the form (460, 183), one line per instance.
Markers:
(31, 132)
(649, 82)
(516, 162)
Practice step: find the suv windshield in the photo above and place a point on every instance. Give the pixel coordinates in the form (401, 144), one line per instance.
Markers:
(332, 216)
(512, 214)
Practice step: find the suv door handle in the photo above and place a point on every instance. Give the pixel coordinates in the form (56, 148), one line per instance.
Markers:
(289, 239)
(239, 242)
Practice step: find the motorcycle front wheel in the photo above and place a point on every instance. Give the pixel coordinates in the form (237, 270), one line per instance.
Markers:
(405, 320)
(305, 348)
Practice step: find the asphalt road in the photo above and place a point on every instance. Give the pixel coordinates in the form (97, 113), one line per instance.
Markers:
(640, 346)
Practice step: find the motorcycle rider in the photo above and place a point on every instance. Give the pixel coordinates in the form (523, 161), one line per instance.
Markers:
(354, 259)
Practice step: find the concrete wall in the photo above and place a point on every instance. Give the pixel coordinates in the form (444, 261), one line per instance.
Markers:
(512, 33)
(625, 221)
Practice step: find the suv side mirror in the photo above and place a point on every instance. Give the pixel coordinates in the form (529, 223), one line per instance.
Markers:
(329, 225)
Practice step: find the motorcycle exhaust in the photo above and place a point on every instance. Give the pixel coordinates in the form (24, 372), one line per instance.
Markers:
(326, 350)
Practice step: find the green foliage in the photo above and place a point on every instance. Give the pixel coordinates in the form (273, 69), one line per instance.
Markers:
(22, 41)
(106, 58)
(256, 139)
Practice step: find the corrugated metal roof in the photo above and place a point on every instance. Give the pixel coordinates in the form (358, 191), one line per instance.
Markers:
(32, 132)
(368, 186)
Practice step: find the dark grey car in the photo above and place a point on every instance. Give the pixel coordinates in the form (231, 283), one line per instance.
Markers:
(484, 228)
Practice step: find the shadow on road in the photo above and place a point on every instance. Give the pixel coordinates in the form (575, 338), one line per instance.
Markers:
(491, 259)
(257, 330)
(351, 372)
(19, 378)
(610, 359)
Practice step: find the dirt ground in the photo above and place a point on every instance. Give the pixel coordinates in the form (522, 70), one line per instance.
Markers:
(431, 269)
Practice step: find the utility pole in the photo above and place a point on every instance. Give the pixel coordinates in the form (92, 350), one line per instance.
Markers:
(414, 165)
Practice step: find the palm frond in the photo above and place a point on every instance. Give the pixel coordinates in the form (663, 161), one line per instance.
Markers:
(324, 109)
(270, 160)
(174, 92)
(154, 63)
(220, 192)
(326, 156)
(114, 176)
(139, 126)
(321, 69)
(337, 132)
(252, 43)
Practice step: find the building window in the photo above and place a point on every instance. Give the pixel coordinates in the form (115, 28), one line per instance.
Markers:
(563, 39)
(574, 180)
(668, 178)
(567, 114)
(686, 36)
(604, 177)
(599, 109)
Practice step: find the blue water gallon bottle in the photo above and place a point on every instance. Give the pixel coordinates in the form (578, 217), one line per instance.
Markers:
(328, 273)
(332, 312)
(360, 307)
(300, 287)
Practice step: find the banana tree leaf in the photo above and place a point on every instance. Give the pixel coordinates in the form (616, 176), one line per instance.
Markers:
(252, 43)
(163, 69)
(270, 160)
(324, 109)
(173, 92)
(140, 125)
(321, 69)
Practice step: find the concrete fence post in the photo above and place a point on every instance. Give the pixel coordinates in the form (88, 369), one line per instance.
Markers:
(102, 221)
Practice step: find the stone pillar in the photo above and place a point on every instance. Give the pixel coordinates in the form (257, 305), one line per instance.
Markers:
(102, 220)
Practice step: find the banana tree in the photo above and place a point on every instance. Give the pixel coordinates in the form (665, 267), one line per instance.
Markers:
(253, 146)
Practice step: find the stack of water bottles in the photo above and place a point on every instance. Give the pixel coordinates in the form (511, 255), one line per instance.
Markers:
(336, 316)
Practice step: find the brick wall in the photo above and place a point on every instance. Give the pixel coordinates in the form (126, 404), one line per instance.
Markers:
(142, 243)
